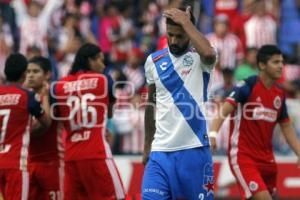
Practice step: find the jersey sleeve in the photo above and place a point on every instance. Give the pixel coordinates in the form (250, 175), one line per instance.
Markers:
(239, 94)
(34, 105)
(149, 66)
(283, 116)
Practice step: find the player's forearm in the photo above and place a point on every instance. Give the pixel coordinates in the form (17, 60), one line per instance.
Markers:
(200, 43)
(149, 127)
(46, 104)
(291, 138)
(224, 111)
(216, 124)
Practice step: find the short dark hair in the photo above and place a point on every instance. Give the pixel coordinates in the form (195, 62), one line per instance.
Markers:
(15, 66)
(183, 8)
(266, 52)
(42, 62)
(81, 62)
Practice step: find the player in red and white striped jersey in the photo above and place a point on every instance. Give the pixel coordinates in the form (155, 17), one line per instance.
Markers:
(228, 45)
(45, 149)
(83, 101)
(16, 107)
(261, 28)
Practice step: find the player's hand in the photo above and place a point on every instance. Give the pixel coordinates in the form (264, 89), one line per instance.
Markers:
(178, 16)
(213, 144)
(45, 89)
(145, 157)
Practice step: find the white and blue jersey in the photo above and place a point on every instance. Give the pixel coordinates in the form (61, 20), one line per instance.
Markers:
(181, 90)
(180, 164)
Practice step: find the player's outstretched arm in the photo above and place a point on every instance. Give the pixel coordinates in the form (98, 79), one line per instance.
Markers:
(291, 138)
(217, 122)
(149, 122)
(198, 40)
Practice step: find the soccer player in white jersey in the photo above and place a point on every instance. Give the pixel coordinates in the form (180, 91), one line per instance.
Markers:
(176, 152)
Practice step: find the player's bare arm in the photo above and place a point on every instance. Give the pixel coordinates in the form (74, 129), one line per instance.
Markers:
(198, 40)
(225, 110)
(149, 122)
(291, 138)
(41, 125)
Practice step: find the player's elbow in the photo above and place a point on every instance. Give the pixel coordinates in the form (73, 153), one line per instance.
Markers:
(209, 57)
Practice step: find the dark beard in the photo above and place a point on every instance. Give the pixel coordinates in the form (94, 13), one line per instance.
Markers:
(177, 50)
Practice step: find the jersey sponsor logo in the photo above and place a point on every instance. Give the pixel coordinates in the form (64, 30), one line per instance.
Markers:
(9, 99)
(253, 186)
(277, 102)
(78, 137)
(187, 60)
(83, 84)
(185, 72)
(262, 113)
(154, 190)
(163, 66)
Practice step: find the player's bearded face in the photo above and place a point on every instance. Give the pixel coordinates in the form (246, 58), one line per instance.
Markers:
(178, 50)
(178, 41)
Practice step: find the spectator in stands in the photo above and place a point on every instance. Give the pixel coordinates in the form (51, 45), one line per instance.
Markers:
(261, 28)
(289, 29)
(9, 16)
(225, 89)
(229, 45)
(231, 8)
(6, 45)
(108, 30)
(69, 41)
(248, 67)
(238, 23)
(34, 22)
(124, 41)
(134, 70)
(133, 142)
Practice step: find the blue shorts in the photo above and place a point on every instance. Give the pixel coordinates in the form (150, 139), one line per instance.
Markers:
(185, 174)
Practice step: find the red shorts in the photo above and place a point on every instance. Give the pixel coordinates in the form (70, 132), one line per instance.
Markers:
(254, 177)
(46, 181)
(14, 184)
(92, 180)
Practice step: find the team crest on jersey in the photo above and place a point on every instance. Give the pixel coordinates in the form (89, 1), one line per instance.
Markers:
(253, 186)
(208, 181)
(277, 102)
(187, 60)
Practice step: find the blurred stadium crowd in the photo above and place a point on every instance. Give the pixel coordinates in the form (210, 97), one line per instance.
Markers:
(129, 30)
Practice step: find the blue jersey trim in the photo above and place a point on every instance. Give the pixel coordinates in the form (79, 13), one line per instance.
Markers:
(206, 77)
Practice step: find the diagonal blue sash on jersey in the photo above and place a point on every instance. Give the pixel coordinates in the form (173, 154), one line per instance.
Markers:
(181, 96)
